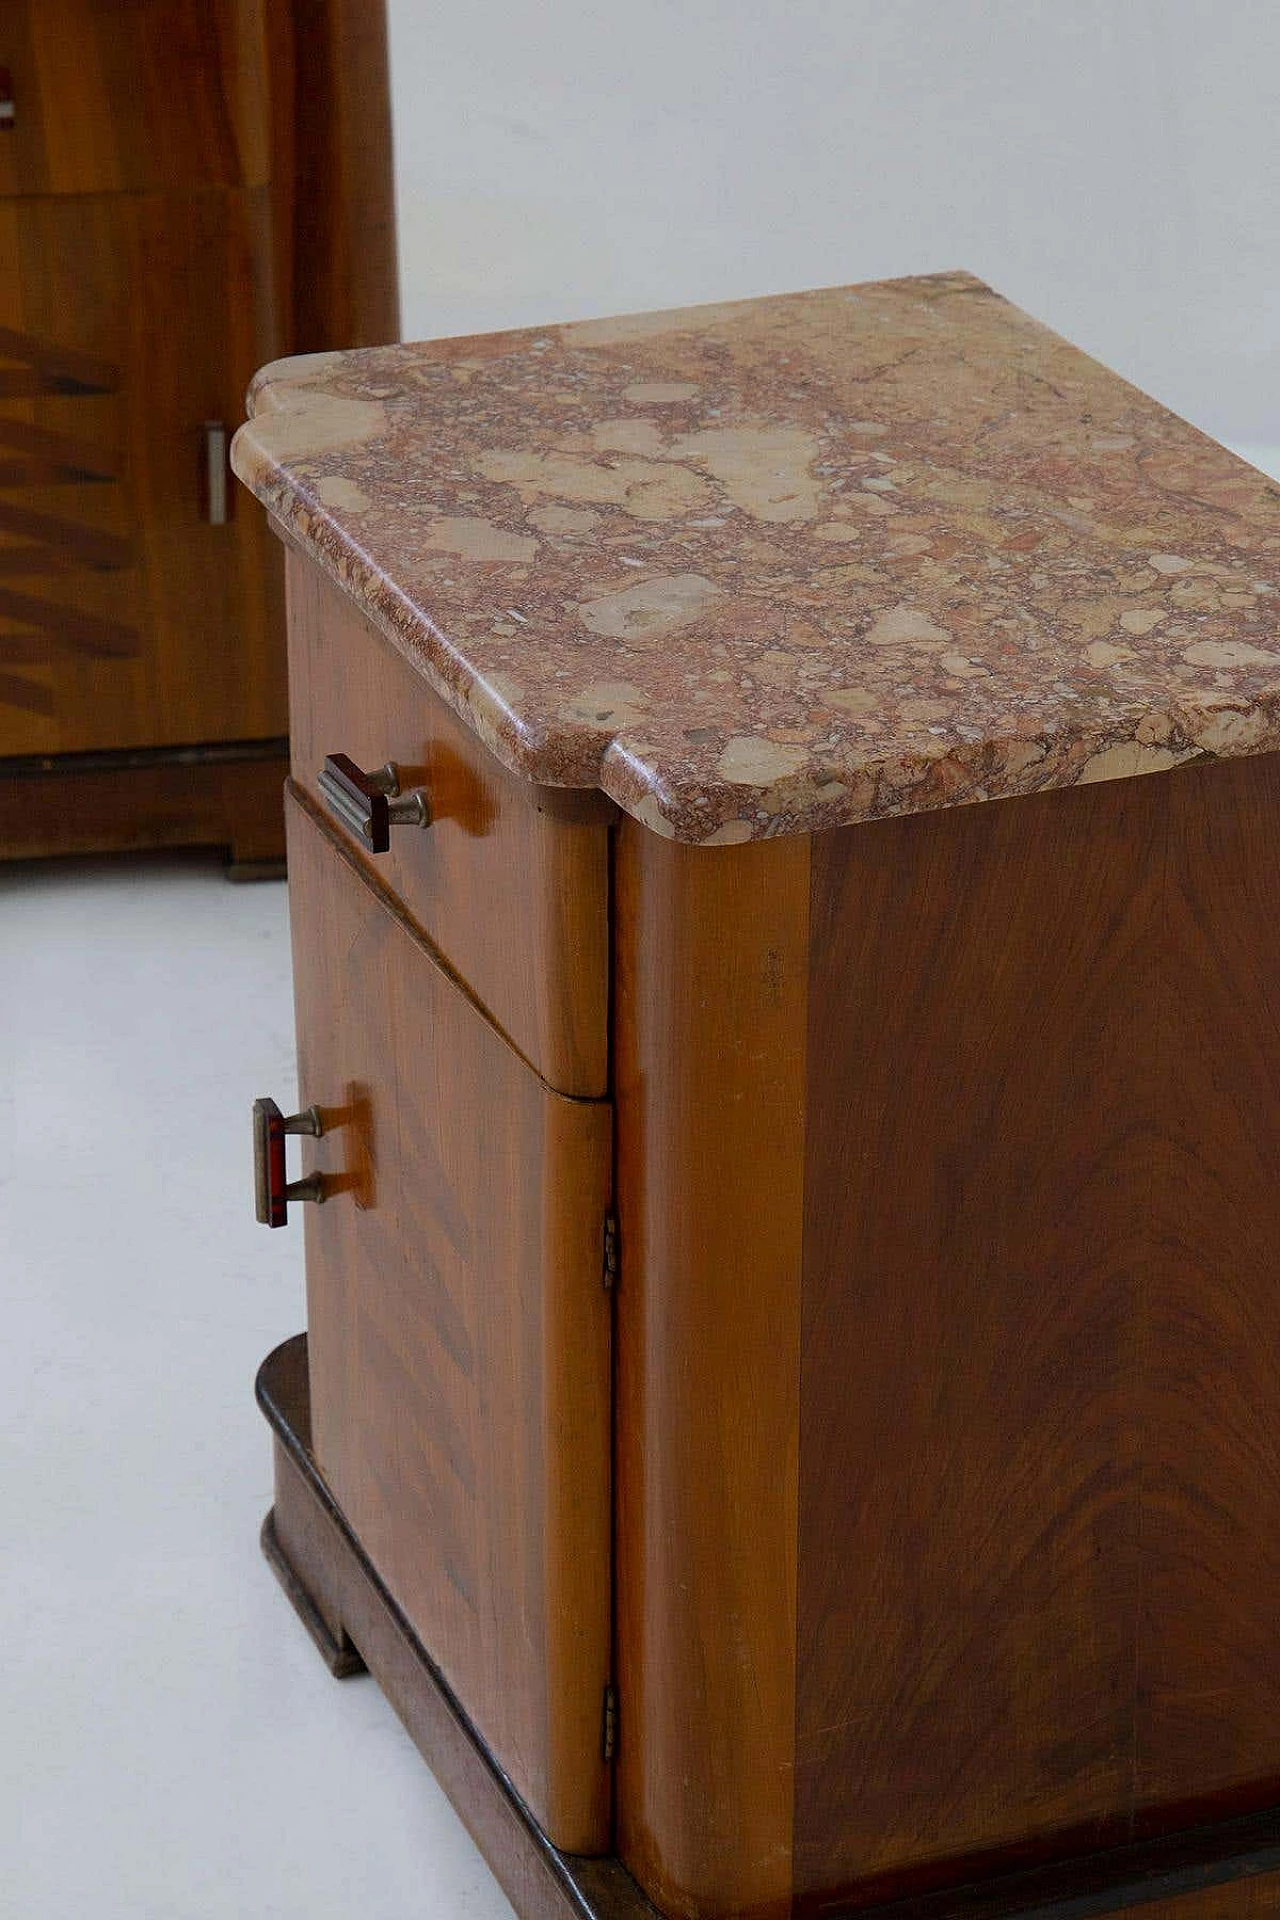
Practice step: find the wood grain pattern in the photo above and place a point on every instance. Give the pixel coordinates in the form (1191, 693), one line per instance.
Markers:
(111, 97)
(1223, 1872)
(710, 1035)
(459, 1331)
(510, 882)
(979, 1088)
(1040, 1482)
(1208, 1713)
(344, 194)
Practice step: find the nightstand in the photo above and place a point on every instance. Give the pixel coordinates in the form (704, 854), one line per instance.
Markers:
(787, 954)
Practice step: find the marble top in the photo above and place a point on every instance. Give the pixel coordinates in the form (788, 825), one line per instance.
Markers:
(783, 564)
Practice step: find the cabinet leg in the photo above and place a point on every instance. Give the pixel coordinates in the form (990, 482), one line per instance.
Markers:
(296, 1536)
(335, 1646)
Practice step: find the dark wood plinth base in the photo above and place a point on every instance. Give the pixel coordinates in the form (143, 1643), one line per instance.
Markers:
(223, 795)
(1213, 1873)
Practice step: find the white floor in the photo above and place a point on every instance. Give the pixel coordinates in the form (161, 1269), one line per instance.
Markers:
(171, 1746)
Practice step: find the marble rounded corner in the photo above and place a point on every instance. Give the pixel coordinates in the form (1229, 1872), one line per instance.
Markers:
(293, 370)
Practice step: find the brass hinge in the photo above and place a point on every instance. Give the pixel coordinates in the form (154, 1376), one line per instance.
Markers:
(610, 1273)
(610, 1740)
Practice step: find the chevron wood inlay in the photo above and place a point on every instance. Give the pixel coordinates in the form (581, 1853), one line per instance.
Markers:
(46, 543)
(24, 383)
(30, 695)
(46, 457)
(57, 369)
(59, 545)
(25, 649)
(85, 632)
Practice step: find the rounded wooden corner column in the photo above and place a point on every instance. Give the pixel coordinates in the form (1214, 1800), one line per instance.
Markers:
(710, 1016)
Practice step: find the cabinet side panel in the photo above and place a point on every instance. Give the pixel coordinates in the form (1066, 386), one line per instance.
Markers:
(710, 993)
(985, 1030)
(1208, 1734)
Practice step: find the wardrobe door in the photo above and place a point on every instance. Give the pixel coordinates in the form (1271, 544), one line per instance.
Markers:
(137, 605)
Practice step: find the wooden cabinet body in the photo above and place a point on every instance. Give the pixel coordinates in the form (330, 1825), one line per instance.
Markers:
(850, 730)
(148, 264)
(905, 1503)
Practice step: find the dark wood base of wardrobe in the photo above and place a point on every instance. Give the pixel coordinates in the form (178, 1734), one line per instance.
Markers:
(1212, 1873)
(223, 795)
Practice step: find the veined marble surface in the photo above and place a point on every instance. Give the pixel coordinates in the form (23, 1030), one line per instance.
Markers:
(783, 564)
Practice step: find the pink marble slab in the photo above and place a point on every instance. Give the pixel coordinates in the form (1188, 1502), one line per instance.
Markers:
(779, 565)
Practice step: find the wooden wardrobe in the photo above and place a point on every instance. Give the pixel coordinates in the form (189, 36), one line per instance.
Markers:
(188, 188)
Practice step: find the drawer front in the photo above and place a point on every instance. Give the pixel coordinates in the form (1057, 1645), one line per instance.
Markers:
(459, 1331)
(510, 882)
(101, 97)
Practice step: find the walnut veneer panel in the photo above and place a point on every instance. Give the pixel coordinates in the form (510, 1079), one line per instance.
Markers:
(113, 95)
(344, 191)
(1040, 1424)
(711, 986)
(510, 882)
(459, 1331)
(1208, 1719)
(126, 620)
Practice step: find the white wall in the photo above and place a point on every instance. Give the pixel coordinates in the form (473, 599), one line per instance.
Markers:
(1111, 165)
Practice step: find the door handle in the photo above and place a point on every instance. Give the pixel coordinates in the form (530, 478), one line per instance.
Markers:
(217, 494)
(273, 1190)
(370, 804)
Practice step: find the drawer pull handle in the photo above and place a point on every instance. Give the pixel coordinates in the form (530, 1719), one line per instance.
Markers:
(273, 1190)
(216, 502)
(370, 804)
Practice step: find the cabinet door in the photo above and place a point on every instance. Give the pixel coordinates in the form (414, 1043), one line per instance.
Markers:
(127, 619)
(459, 1330)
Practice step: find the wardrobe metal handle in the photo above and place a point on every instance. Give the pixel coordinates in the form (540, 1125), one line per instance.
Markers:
(216, 492)
(272, 1188)
(370, 804)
